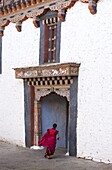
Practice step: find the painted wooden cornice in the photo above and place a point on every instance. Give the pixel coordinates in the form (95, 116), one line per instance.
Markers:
(64, 69)
(17, 11)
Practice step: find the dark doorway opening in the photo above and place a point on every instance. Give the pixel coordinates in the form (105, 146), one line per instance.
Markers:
(54, 109)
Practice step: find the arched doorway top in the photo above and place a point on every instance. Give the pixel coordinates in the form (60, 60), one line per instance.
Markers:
(61, 91)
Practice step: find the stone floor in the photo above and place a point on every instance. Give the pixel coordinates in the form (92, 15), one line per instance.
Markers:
(18, 158)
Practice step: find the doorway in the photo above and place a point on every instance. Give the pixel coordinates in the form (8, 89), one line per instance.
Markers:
(54, 109)
(51, 90)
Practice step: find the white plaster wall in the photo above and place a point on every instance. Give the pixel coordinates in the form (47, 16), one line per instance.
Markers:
(19, 50)
(87, 39)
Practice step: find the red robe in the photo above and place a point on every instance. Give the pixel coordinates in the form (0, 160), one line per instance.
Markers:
(49, 141)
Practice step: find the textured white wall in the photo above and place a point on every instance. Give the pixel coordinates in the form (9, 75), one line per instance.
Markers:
(85, 39)
(90, 43)
(19, 50)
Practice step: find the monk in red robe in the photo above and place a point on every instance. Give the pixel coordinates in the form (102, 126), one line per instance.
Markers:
(49, 141)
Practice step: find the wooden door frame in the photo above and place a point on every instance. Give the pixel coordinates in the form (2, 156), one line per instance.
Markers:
(61, 79)
(32, 98)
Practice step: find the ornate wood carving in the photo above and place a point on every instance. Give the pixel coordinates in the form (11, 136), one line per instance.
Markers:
(42, 92)
(64, 92)
(68, 69)
(47, 79)
(93, 6)
(19, 11)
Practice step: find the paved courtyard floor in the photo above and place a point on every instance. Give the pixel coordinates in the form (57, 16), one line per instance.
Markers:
(13, 157)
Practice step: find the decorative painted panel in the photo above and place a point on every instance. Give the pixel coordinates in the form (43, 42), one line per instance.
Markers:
(18, 11)
(48, 71)
(7, 2)
(63, 91)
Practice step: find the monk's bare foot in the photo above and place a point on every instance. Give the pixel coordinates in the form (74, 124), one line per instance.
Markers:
(48, 157)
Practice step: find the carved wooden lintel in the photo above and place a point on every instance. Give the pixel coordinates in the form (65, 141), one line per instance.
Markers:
(66, 69)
